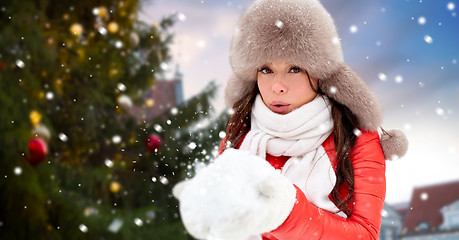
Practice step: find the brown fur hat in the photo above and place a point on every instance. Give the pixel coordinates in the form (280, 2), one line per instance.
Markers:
(302, 33)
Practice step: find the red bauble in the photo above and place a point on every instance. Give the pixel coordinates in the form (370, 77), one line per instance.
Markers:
(153, 142)
(2, 65)
(37, 151)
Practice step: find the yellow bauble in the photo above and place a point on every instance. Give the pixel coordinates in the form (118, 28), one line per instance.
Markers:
(113, 72)
(76, 29)
(103, 12)
(113, 27)
(114, 187)
(41, 95)
(35, 117)
(149, 102)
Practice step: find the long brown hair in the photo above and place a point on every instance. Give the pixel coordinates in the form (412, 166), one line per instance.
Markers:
(344, 124)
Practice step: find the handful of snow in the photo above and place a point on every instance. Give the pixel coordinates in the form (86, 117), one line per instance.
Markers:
(237, 196)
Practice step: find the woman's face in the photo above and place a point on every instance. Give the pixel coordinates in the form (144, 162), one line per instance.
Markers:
(284, 87)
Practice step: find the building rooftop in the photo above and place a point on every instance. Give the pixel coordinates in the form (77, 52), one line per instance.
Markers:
(426, 202)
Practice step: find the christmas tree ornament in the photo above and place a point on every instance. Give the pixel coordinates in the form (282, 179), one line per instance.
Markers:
(149, 102)
(103, 12)
(113, 27)
(153, 142)
(115, 187)
(42, 131)
(113, 72)
(115, 225)
(37, 151)
(90, 211)
(124, 101)
(2, 65)
(76, 29)
(134, 39)
(35, 117)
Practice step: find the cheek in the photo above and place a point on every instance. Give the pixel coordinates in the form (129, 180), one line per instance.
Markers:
(303, 90)
(263, 85)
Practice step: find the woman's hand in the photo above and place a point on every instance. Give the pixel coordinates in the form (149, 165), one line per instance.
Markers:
(237, 196)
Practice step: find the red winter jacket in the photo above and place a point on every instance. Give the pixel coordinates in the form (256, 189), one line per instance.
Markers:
(306, 221)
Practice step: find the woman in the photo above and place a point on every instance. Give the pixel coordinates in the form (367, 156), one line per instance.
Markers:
(300, 108)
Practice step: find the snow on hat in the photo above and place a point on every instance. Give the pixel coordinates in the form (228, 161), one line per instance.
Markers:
(302, 33)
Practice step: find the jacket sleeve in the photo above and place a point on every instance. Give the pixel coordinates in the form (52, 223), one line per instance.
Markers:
(307, 221)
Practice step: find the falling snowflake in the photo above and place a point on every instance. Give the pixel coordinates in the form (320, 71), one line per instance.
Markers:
(102, 30)
(116, 139)
(384, 213)
(353, 29)
(109, 163)
(20, 63)
(118, 44)
(336, 41)
(95, 11)
(451, 6)
(121, 87)
(83, 228)
(192, 145)
(279, 24)
(440, 111)
(428, 39)
(424, 196)
(181, 17)
(333, 90)
(18, 170)
(158, 128)
(357, 132)
(407, 127)
(382, 77)
(164, 66)
(49, 95)
(222, 134)
(422, 20)
(163, 180)
(201, 44)
(138, 222)
(398, 79)
(63, 137)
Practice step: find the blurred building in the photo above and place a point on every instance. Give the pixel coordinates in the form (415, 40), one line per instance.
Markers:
(391, 224)
(433, 213)
(162, 96)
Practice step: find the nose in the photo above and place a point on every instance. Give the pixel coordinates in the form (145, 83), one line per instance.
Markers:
(279, 86)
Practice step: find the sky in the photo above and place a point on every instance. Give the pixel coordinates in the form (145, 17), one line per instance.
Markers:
(406, 51)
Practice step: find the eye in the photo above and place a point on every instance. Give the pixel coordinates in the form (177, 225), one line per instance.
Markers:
(265, 70)
(295, 70)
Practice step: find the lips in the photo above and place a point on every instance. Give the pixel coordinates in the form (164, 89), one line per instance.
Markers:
(279, 107)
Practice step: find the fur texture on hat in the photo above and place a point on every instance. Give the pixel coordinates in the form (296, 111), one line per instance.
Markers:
(347, 88)
(302, 33)
(299, 31)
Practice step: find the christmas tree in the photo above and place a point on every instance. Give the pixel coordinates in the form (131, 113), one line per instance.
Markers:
(76, 163)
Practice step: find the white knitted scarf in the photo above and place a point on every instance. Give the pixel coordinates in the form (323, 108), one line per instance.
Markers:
(298, 134)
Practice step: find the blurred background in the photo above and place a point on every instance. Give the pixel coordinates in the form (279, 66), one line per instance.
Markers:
(105, 105)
